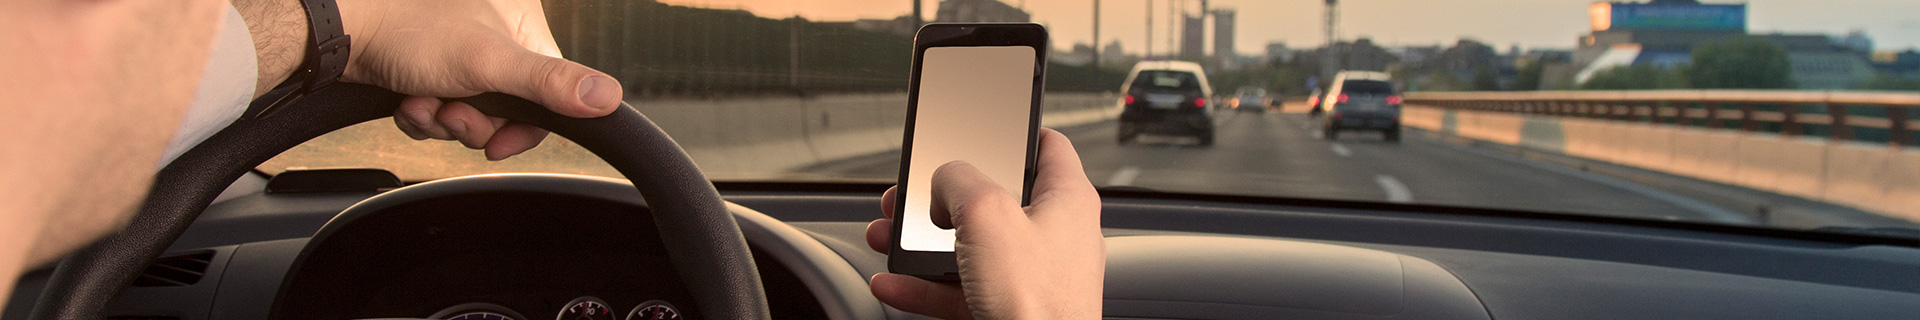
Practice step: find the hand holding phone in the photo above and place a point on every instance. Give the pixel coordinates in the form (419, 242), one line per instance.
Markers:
(986, 197)
(974, 97)
(1046, 260)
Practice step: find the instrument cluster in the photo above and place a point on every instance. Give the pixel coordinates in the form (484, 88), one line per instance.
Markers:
(582, 308)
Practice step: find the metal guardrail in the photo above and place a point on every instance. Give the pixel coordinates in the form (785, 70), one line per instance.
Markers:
(1734, 109)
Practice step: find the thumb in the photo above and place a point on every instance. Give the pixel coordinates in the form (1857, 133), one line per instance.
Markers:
(566, 87)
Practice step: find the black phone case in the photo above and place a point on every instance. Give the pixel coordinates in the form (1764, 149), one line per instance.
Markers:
(944, 266)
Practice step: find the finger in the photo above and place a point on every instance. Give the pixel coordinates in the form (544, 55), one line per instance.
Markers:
(406, 126)
(916, 295)
(419, 111)
(513, 139)
(880, 235)
(566, 87)
(1060, 181)
(964, 196)
(467, 124)
(887, 201)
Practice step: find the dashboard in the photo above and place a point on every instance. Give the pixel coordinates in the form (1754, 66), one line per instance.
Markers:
(553, 256)
(540, 246)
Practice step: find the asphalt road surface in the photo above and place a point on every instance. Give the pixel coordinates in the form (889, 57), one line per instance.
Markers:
(1282, 154)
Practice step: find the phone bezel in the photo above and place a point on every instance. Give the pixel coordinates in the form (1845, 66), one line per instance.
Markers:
(937, 265)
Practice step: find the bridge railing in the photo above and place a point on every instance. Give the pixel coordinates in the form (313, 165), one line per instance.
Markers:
(1887, 116)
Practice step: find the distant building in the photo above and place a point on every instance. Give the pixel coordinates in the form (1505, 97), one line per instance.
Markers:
(1362, 54)
(1417, 56)
(1081, 55)
(1819, 62)
(979, 11)
(1223, 34)
(1466, 59)
(1112, 53)
(1664, 33)
(1193, 37)
(1904, 64)
(1859, 43)
(902, 25)
(1278, 52)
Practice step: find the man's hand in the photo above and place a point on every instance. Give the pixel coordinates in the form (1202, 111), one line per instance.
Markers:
(1044, 261)
(431, 49)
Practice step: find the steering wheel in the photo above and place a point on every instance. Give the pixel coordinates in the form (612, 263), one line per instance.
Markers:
(706, 246)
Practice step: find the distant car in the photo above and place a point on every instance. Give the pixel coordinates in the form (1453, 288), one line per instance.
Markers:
(1251, 99)
(1362, 100)
(1166, 98)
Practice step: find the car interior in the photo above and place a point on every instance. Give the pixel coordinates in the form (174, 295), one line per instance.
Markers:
(350, 244)
(219, 238)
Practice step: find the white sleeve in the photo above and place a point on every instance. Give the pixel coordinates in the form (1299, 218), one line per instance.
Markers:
(226, 86)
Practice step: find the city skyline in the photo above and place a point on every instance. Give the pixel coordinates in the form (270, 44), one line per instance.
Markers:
(1549, 23)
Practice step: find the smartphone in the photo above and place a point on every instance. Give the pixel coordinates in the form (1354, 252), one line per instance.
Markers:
(975, 97)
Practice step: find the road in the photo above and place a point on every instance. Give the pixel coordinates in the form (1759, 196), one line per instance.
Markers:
(1281, 154)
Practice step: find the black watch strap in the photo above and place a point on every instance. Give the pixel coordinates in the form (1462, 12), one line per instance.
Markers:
(326, 59)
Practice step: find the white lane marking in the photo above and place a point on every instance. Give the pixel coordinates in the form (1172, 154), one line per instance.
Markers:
(1342, 150)
(1124, 177)
(1396, 191)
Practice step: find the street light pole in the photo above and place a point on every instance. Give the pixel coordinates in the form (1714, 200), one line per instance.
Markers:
(1149, 52)
(1330, 56)
(1096, 34)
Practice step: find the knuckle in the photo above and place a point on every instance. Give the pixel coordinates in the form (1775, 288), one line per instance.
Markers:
(551, 77)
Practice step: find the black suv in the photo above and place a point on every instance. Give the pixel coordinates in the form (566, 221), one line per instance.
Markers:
(1362, 100)
(1166, 97)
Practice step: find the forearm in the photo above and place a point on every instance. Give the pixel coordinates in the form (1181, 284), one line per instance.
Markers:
(279, 29)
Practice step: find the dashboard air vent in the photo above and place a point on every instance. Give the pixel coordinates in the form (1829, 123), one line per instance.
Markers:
(175, 271)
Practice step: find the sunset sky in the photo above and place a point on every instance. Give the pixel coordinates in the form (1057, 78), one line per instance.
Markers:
(1893, 24)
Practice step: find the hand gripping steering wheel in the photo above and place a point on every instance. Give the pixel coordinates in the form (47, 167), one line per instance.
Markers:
(705, 244)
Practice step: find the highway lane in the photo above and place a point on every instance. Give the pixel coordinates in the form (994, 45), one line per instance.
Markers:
(1276, 154)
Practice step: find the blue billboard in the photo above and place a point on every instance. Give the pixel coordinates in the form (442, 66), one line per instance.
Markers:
(1630, 16)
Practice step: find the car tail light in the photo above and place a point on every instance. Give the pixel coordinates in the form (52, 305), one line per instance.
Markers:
(1129, 99)
(1313, 100)
(1393, 99)
(1343, 98)
(1199, 102)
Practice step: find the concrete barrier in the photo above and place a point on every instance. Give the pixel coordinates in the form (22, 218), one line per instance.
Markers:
(1903, 185)
(1709, 155)
(1423, 118)
(1855, 174)
(1868, 177)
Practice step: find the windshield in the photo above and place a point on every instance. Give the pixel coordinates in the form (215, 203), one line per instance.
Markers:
(1163, 80)
(1367, 87)
(1794, 115)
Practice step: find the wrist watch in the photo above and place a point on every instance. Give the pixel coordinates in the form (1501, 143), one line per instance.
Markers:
(326, 59)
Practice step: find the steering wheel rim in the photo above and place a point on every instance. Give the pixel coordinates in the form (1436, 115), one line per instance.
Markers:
(708, 249)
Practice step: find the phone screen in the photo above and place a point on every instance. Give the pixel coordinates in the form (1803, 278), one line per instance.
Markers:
(974, 104)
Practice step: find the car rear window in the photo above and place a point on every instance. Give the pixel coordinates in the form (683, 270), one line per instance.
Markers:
(1367, 87)
(1163, 80)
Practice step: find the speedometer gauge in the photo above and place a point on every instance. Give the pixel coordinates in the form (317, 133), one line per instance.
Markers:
(586, 308)
(480, 316)
(476, 311)
(654, 310)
